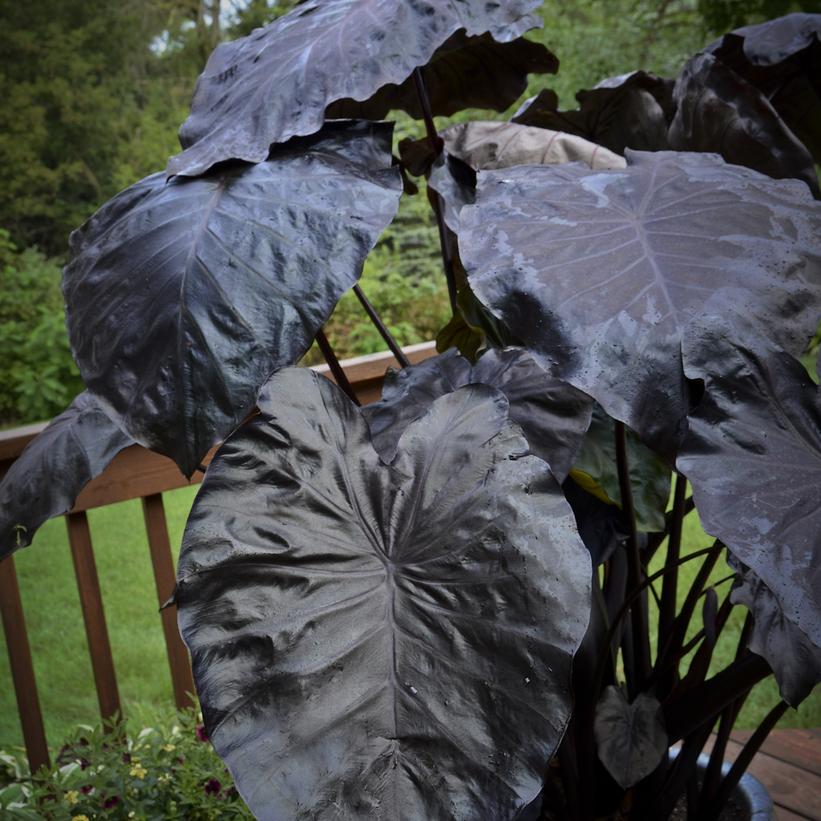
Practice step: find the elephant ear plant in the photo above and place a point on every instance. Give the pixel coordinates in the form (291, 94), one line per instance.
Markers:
(438, 606)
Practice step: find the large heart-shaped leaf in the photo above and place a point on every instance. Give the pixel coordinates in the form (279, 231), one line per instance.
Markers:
(382, 641)
(553, 415)
(601, 272)
(795, 660)
(183, 297)
(630, 738)
(753, 457)
(48, 476)
(782, 59)
(718, 111)
(278, 82)
(630, 111)
(649, 473)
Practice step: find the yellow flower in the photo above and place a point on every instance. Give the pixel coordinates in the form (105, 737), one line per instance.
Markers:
(169, 748)
(79, 818)
(138, 771)
(72, 797)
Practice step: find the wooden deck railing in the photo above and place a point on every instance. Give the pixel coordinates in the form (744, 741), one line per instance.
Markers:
(135, 473)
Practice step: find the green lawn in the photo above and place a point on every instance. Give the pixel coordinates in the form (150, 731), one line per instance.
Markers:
(55, 623)
(58, 640)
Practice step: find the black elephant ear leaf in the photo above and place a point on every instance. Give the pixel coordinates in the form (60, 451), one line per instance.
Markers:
(498, 77)
(601, 523)
(279, 81)
(774, 41)
(602, 272)
(351, 608)
(484, 145)
(793, 657)
(630, 111)
(718, 111)
(753, 457)
(455, 183)
(649, 473)
(782, 59)
(630, 738)
(553, 415)
(49, 474)
(183, 297)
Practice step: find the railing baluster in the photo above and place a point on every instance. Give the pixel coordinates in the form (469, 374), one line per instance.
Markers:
(22, 669)
(164, 576)
(91, 600)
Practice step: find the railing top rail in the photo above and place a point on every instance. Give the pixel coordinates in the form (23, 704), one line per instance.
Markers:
(136, 472)
(358, 369)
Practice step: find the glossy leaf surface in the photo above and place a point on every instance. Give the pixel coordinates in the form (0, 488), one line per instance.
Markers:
(719, 112)
(649, 473)
(601, 272)
(630, 738)
(782, 59)
(553, 415)
(475, 146)
(630, 111)
(183, 297)
(753, 457)
(774, 41)
(278, 82)
(497, 71)
(382, 641)
(795, 660)
(49, 474)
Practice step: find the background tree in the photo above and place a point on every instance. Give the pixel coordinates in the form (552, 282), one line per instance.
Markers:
(93, 93)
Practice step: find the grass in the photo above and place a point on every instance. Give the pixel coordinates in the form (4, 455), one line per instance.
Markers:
(58, 640)
(55, 625)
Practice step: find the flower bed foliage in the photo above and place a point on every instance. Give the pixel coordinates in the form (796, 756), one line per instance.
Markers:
(167, 772)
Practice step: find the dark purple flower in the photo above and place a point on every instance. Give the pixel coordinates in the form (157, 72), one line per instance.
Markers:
(126, 758)
(112, 802)
(212, 787)
(202, 733)
(87, 789)
(84, 763)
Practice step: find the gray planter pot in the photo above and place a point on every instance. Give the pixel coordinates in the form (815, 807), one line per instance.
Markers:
(751, 795)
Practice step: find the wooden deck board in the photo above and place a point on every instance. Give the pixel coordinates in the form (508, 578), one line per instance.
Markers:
(789, 766)
(799, 747)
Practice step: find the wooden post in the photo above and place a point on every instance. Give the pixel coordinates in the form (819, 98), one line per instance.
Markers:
(22, 669)
(164, 576)
(91, 600)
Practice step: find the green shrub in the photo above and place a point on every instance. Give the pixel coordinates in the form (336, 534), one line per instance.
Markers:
(403, 280)
(161, 773)
(38, 375)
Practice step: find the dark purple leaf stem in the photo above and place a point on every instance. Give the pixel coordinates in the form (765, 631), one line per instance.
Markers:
(336, 368)
(641, 638)
(437, 145)
(380, 326)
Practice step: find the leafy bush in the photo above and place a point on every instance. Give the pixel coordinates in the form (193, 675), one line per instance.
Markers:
(38, 375)
(166, 772)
